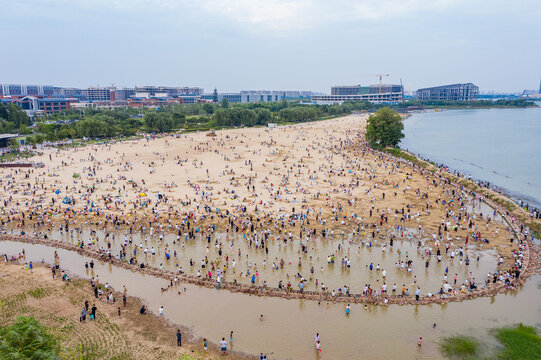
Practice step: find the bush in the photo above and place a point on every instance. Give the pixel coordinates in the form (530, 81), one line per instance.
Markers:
(27, 339)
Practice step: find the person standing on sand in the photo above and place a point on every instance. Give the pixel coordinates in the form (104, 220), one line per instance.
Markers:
(223, 346)
(179, 338)
(93, 312)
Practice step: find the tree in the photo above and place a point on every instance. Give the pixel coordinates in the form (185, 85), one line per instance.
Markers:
(263, 116)
(17, 116)
(161, 122)
(215, 96)
(3, 112)
(384, 128)
(28, 339)
(225, 103)
(209, 109)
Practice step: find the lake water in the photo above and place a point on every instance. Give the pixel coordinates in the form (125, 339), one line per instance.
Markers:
(496, 145)
(375, 332)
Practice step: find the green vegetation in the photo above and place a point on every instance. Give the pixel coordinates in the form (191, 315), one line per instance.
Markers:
(518, 343)
(460, 347)
(27, 339)
(126, 122)
(13, 119)
(396, 152)
(384, 128)
(15, 155)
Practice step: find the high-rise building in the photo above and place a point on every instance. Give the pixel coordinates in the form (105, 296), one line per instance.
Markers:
(453, 92)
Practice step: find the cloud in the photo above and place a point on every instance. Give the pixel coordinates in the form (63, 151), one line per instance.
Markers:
(275, 16)
(262, 14)
(285, 15)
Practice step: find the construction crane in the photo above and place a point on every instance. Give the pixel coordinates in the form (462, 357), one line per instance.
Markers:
(380, 78)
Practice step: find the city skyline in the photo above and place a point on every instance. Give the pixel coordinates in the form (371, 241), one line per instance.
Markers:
(274, 44)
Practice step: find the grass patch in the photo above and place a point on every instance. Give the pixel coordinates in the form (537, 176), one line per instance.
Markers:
(406, 156)
(520, 342)
(460, 347)
(38, 293)
(535, 228)
(16, 155)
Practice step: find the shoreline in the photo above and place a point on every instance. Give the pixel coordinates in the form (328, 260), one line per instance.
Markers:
(243, 218)
(529, 269)
(515, 197)
(191, 343)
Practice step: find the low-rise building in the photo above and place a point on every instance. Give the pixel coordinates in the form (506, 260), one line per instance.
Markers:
(384, 93)
(452, 92)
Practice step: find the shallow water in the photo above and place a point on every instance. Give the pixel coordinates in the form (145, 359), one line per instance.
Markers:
(496, 145)
(288, 328)
(334, 276)
(356, 248)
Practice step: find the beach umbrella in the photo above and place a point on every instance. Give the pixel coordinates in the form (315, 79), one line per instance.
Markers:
(57, 192)
(66, 200)
(142, 194)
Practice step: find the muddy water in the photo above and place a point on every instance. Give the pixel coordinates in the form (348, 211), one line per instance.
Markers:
(289, 326)
(361, 253)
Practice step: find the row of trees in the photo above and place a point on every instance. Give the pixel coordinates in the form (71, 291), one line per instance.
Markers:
(12, 119)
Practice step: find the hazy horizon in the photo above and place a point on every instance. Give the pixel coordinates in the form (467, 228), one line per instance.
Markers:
(272, 44)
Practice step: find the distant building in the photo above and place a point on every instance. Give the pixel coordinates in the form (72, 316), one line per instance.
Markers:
(32, 104)
(170, 91)
(350, 90)
(532, 94)
(24, 90)
(122, 94)
(231, 98)
(453, 92)
(251, 96)
(97, 93)
(386, 93)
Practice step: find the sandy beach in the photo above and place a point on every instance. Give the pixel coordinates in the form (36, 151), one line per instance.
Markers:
(293, 183)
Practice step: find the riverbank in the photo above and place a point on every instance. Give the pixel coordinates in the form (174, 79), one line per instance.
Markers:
(57, 304)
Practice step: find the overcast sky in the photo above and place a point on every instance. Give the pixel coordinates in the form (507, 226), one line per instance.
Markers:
(271, 44)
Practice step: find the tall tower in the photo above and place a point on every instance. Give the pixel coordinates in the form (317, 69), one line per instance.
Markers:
(540, 86)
